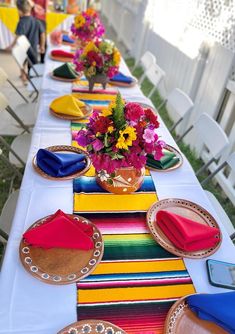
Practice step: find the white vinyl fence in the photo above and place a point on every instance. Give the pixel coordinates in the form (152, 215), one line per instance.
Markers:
(197, 53)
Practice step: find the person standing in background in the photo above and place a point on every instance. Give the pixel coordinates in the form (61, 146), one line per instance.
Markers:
(39, 10)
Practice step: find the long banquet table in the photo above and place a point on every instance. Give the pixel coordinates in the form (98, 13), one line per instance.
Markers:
(28, 305)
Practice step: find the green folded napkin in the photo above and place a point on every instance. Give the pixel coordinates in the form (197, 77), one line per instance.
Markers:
(168, 160)
(65, 71)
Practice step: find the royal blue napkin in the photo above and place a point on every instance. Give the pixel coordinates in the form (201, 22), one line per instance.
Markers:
(67, 39)
(120, 77)
(218, 308)
(60, 164)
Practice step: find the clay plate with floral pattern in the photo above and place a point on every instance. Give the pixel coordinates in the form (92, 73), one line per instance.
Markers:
(181, 320)
(92, 327)
(189, 210)
(61, 266)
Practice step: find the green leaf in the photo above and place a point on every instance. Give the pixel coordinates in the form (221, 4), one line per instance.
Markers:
(118, 113)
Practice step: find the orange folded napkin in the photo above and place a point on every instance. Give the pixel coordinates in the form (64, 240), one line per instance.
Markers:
(185, 233)
(61, 53)
(61, 231)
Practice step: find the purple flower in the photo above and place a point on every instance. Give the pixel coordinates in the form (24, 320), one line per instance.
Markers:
(97, 145)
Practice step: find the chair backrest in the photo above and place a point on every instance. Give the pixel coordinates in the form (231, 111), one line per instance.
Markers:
(23, 42)
(147, 60)
(8, 212)
(3, 102)
(210, 133)
(179, 104)
(20, 55)
(155, 74)
(3, 77)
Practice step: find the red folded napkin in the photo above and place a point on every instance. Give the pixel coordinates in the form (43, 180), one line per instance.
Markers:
(185, 233)
(61, 231)
(61, 53)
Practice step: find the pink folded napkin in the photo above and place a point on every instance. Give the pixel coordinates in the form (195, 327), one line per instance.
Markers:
(61, 231)
(185, 233)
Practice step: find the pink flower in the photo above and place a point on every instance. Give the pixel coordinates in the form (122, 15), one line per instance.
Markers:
(82, 138)
(133, 111)
(149, 135)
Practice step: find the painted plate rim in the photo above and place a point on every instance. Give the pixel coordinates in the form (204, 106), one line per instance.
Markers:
(124, 84)
(31, 267)
(63, 148)
(176, 166)
(165, 242)
(54, 77)
(87, 107)
(89, 322)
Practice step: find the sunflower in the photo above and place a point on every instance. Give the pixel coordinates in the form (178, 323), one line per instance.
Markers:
(127, 136)
(79, 21)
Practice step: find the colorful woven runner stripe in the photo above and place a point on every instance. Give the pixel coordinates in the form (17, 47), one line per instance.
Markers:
(137, 280)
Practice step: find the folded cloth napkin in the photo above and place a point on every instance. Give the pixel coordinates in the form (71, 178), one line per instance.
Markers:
(68, 105)
(218, 308)
(120, 77)
(62, 53)
(65, 71)
(60, 164)
(168, 160)
(185, 233)
(67, 39)
(61, 231)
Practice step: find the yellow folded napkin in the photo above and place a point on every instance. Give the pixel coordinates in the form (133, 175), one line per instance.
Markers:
(67, 105)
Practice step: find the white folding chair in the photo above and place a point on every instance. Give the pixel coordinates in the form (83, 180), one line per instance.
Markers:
(36, 69)
(21, 58)
(221, 214)
(211, 137)
(25, 111)
(179, 104)
(6, 218)
(147, 60)
(155, 75)
(19, 148)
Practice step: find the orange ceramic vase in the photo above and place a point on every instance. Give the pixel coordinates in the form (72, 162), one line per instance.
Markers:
(123, 180)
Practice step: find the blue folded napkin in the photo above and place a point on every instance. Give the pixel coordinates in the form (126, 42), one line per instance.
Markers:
(67, 39)
(218, 308)
(60, 164)
(120, 77)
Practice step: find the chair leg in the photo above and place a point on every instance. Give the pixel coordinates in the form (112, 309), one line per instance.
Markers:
(13, 114)
(184, 134)
(175, 125)
(3, 141)
(6, 161)
(4, 234)
(208, 178)
(205, 166)
(23, 97)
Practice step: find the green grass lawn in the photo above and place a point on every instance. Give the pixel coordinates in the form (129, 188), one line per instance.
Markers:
(194, 161)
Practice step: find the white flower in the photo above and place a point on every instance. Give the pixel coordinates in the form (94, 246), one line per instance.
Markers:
(103, 175)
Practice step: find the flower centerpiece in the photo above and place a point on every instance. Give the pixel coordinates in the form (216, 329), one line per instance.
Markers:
(118, 140)
(99, 61)
(87, 26)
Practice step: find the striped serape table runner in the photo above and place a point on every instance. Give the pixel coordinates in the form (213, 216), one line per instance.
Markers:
(137, 280)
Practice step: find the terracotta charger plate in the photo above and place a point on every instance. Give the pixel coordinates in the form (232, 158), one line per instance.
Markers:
(177, 165)
(61, 59)
(61, 265)
(187, 209)
(124, 84)
(92, 327)
(181, 320)
(87, 110)
(64, 79)
(63, 149)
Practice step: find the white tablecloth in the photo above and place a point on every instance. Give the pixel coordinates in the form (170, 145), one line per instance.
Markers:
(28, 305)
